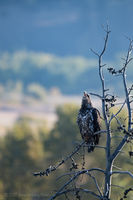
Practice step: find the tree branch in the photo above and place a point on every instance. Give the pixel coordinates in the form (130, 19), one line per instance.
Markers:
(122, 128)
(108, 139)
(114, 115)
(119, 148)
(96, 183)
(122, 172)
(53, 168)
(76, 190)
(96, 146)
(97, 95)
(83, 171)
(127, 101)
(72, 179)
(125, 84)
(99, 132)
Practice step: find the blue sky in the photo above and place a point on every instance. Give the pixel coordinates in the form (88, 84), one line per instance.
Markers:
(64, 27)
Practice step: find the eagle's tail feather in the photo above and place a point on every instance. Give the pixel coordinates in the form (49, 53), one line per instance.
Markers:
(93, 143)
(91, 147)
(97, 137)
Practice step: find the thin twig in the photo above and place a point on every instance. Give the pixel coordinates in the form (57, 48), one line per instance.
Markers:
(117, 186)
(121, 126)
(119, 148)
(76, 190)
(59, 192)
(97, 95)
(96, 183)
(82, 172)
(99, 132)
(96, 146)
(127, 101)
(120, 109)
(53, 168)
(116, 167)
(94, 52)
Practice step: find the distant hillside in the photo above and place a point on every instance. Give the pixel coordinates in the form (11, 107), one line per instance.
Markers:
(71, 75)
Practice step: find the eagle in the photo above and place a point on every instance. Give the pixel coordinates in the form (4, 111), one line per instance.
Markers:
(88, 121)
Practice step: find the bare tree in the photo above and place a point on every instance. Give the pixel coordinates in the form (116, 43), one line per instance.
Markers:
(108, 100)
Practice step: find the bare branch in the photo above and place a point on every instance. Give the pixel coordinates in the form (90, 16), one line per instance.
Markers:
(64, 186)
(117, 186)
(96, 183)
(82, 172)
(119, 148)
(131, 101)
(53, 168)
(72, 179)
(128, 59)
(97, 95)
(125, 86)
(121, 126)
(99, 132)
(96, 169)
(116, 167)
(114, 115)
(106, 40)
(94, 52)
(122, 172)
(76, 190)
(96, 146)
(127, 101)
(108, 139)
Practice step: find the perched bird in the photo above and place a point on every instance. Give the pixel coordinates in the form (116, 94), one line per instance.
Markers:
(89, 122)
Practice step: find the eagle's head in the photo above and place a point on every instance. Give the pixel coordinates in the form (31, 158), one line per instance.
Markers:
(86, 101)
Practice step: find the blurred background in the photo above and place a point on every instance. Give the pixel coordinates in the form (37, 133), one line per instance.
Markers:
(45, 65)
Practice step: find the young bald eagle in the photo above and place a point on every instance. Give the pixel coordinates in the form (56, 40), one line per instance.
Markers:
(89, 122)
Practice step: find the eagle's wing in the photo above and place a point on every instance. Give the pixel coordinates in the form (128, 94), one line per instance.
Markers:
(96, 119)
(80, 124)
(85, 123)
(89, 123)
(96, 124)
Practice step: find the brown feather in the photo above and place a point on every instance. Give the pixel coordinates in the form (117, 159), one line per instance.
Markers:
(89, 122)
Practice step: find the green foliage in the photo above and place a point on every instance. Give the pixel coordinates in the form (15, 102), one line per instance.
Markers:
(23, 151)
(65, 132)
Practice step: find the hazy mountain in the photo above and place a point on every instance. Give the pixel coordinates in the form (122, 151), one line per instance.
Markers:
(47, 41)
(71, 75)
